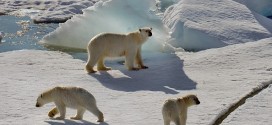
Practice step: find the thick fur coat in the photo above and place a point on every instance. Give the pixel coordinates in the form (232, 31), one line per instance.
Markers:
(175, 110)
(72, 97)
(116, 45)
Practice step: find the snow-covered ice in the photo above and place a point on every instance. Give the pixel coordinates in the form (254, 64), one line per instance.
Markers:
(50, 11)
(198, 25)
(262, 7)
(256, 110)
(218, 76)
(230, 72)
(213, 24)
(109, 16)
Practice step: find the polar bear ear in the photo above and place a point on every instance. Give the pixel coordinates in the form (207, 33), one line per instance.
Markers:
(150, 28)
(179, 99)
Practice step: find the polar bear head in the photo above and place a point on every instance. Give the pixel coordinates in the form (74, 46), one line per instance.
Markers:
(146, 32)
(189, 100)
(43, 99)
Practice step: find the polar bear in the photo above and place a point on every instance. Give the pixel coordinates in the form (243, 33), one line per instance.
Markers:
(116, 45)
(73, 97)
(176, 109)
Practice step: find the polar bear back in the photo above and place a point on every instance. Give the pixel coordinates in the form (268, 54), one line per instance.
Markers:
(171, 106)
(73, 97)
(113, 45)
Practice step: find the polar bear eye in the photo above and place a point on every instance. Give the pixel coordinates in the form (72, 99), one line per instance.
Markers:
(41, 95)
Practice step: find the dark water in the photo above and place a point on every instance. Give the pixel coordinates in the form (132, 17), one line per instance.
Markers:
(22, 33)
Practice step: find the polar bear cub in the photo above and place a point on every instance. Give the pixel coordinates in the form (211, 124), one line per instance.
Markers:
(116, 45)
(176, 109)
(73, 97)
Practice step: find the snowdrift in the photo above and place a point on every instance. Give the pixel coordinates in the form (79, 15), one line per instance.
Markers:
(207, 24)
(41, 11)
(118, 16)
(262, 7)
(191, 24)
(218, 76)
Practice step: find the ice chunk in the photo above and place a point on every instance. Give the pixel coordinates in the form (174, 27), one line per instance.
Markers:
(118, 16)
(263, 7)
(207, 24)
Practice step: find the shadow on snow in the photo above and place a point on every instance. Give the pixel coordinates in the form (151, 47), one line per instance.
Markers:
(165, 73)
(72, 122)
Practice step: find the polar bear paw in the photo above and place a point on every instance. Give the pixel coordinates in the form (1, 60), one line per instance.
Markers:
(104, 68)
(60, 118)
(76, 118)
(144, 67)
(53, 112)
(100, 120)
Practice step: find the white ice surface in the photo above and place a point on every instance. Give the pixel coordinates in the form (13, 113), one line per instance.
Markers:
(117, 16)
(256, 110)
(213, 24)
(45, 11)
(262, 7)
(218, 76)
(207, 24)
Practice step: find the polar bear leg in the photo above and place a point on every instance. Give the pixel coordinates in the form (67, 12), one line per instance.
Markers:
(96, 112)
(101, 65)
(166, 121)
(53, 112)
(177, 121)
(92, 60)
(62, 110)
(79, 115)
(129, 60)
(183, 119)
(139, 60)
(166, 118)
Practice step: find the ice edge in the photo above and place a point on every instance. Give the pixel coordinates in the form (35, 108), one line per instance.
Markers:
(232, 107)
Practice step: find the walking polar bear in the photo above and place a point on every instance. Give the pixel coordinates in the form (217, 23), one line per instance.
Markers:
(176, 109)
(116, 45)
(73, 97)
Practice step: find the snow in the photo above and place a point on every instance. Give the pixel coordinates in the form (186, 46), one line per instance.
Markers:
(45, 11)
(262, 7)
(77, 32)
(259, 107)
(213, 24)
(218, 76)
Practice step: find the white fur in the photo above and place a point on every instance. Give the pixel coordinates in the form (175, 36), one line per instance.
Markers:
(116, 45)
(72, 97)
(176, 109)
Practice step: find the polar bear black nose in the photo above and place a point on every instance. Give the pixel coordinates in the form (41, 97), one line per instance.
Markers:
(197, 101)
(149, 34)
(37, 105)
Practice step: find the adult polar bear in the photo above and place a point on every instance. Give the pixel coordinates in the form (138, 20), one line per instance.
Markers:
(116, 45)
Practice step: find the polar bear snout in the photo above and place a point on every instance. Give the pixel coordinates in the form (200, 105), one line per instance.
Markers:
(38, 105)
(197, 101)
(149, 33)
